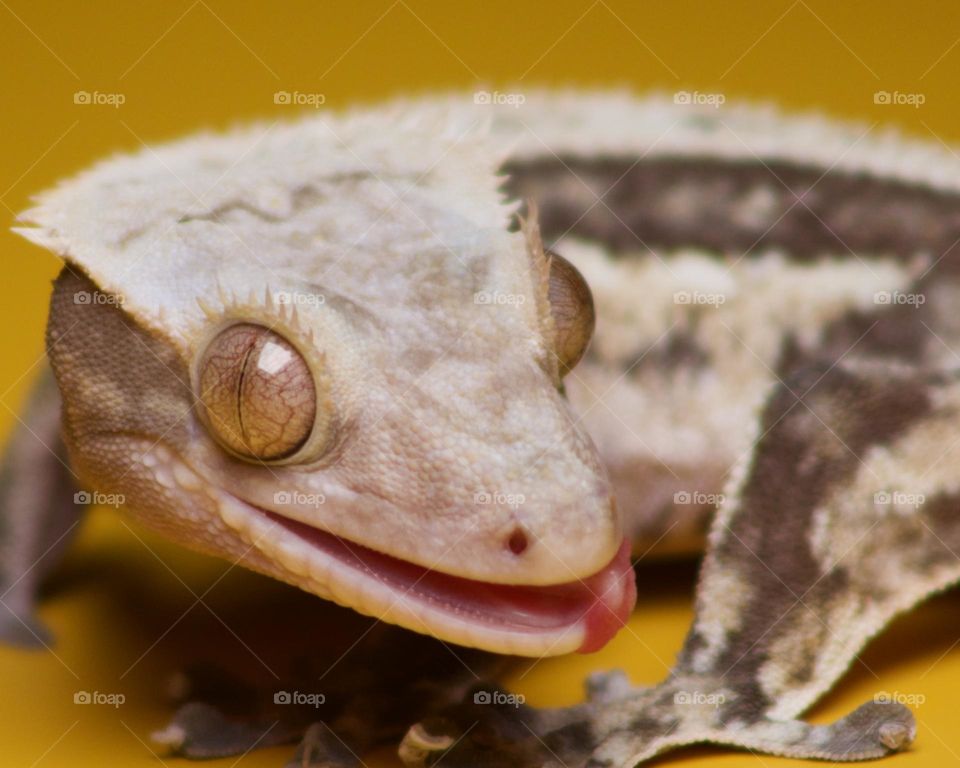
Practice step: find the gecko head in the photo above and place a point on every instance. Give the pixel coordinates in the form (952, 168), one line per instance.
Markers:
(361, 398)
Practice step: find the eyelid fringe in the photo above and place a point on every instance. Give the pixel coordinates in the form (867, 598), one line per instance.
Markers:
(540, 269)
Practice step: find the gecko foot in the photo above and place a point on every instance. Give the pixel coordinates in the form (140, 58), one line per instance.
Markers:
(337, 713)
(620, 728)
(202, 731)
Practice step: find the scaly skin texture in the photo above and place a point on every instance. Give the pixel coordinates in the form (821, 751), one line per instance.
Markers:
(774, 325)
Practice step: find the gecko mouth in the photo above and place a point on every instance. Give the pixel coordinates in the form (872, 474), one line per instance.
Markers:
(581, 615)
(598, 606)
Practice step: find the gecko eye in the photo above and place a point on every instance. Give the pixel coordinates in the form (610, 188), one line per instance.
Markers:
(258, 393)
(571, 305)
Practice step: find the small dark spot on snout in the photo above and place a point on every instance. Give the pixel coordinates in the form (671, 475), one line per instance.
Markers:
(517, 543)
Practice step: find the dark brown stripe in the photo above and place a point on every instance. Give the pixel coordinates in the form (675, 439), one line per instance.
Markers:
(668, 202)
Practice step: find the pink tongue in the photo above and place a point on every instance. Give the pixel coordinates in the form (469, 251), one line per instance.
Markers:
(616, 590)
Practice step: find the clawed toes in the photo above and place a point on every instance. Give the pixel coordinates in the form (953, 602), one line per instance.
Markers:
(322, 748)
(202, 731)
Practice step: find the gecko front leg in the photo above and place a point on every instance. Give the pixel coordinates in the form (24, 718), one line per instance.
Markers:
(846, 516)
(37, 512)
(368, 701)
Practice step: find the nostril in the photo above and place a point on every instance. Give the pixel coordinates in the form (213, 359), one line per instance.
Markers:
(517, 543)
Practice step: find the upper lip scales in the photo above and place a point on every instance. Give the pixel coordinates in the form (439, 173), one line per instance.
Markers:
(308, 516)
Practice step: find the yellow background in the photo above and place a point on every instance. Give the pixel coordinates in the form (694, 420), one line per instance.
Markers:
(183, 65)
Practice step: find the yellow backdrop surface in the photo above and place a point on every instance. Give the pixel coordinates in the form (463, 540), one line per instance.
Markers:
(124, 606)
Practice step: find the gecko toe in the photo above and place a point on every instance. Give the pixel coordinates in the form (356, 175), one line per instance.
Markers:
(895, 736)
(201, 731)
(322, 748)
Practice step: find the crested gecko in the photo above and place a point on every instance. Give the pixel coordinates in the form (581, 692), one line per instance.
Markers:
(353, 352)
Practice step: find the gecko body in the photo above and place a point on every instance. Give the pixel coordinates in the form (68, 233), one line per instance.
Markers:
(353, 352)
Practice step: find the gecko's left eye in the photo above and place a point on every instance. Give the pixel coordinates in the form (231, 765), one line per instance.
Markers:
(258, 393)
(571, 305)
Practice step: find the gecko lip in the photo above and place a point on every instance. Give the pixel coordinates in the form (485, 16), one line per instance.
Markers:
(600, 604)
(581, 615)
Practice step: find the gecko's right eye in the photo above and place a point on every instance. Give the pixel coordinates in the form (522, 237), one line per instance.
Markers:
(571, 306)
(258, 394)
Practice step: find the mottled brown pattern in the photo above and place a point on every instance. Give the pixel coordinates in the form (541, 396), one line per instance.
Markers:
(819, 421)
(679, 350)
